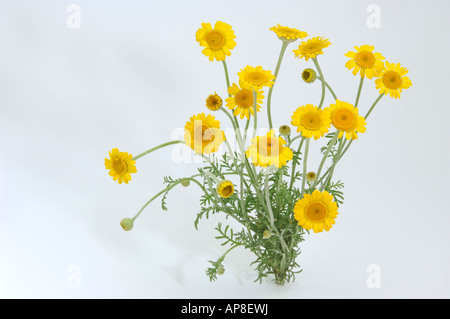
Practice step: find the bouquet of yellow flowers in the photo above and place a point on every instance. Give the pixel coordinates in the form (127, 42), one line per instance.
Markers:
(264, 183)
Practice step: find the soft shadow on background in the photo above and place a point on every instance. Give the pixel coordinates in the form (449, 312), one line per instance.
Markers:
(131, 76)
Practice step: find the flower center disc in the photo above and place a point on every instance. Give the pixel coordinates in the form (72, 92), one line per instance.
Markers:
(227, 191)
(311, 47)
(244, 99)
(365, 59)
(213, 102)
(215, 40)
(306, 75)
(392, 80)
(316, 211)
(311, 121)
(256, 78)
(119, 166)
(343, 120)
(203, 134)
(271, 146)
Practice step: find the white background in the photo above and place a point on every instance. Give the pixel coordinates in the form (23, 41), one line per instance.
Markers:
(132, 74)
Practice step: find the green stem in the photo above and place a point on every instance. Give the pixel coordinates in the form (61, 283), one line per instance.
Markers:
(229, 116)
(373, 106)
(322, 80)
(305, 159)
(359, 91)
(325, 157)
(294, 164)
(329, 88)
(271, 218)
(168, 188)
(293, 139)
(255, 114)
(223, 256)
(210, 162)
(158, 147)
(225, 68)
(330, 171)
(277, 69)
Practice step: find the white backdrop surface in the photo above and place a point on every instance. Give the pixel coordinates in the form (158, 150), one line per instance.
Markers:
(132, 74)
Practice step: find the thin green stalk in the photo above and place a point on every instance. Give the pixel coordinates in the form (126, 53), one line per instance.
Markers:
(255, 114)
(271, 217)
(168, 188)
(294, 164)
(325, 157)
(233, 122)
(157, 148)
(330, 171)
(305, 160)
(373, 106)
(206, 157)
(277, 69)
(359, 91)
(322, 80)
(329, 88)
(225, 68)
(292, 140)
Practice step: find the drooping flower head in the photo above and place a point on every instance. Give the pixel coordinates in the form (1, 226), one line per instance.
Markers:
(287, 34)
(225, 188)
(269, 150)
(345, 118)
(311, 121)
(214, 102)
(311, 48)
(203, 134)
(392, 80)
(241, 100)
(365, 61)
(316, 211)
(217, 41)
(120, 165)
(255, 78)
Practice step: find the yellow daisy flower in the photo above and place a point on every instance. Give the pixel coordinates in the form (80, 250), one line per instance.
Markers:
(214, 102)
(316, 211)
(311, 121)
(225, 189)
(311, 48)
(203, 134)
(120, 165)
(241, 100)
(255, 78)
(269, 150)
(217, 41)
(287, 34)
(393, 80)
(365, 61)
(345, 118)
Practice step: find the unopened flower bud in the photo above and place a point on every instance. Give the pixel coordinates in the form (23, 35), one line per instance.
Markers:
(309, 75)
(311, 176)
(225, 188)
(285, 130)
(185, 183)
(127, 224)
(220, 270)
(267, 234)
